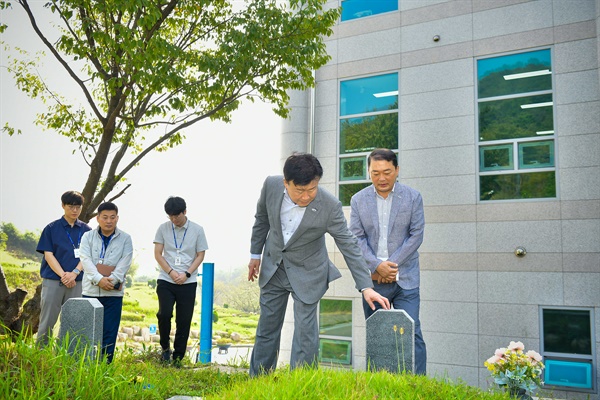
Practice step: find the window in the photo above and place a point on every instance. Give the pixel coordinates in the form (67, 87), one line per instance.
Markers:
(516, 127)
(368, 120)
(335, 335)
(567, 345)
(352, 9)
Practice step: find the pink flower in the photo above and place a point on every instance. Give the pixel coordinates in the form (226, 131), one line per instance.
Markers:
(534, 355)
(515, 346)
(493, 359)
(500, 352)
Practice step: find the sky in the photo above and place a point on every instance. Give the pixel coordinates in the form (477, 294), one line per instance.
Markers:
(218, 170)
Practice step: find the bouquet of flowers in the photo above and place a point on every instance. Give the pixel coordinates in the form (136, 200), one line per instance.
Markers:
(514, 369)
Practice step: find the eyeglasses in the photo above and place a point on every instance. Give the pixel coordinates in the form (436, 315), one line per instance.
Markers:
(73, 208)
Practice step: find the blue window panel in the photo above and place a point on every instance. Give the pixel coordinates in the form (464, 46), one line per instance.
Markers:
(352, 9)
(366, 95)
(568, 373)
(515, 73)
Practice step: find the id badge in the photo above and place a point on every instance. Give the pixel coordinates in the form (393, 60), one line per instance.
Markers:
(76, 253)
(177, 260)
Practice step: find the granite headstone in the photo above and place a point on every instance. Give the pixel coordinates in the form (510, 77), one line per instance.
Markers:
(391, 341)
(82, 321)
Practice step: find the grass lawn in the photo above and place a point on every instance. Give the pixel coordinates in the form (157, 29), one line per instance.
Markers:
(32, 373)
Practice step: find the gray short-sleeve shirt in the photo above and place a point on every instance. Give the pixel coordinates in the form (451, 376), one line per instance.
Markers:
(190, 240)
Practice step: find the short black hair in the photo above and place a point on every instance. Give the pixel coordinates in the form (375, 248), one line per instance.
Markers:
(383, 155)
(175, 205)
(108, 206)
(302, 169)
(72, 198)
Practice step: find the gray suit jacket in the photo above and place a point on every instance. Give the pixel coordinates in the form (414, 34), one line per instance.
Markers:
(405, 230)
(305, 257)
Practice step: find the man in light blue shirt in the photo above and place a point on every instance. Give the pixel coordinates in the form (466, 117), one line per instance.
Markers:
(388, 220)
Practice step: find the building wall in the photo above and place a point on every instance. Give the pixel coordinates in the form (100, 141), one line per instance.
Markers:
(476, 294)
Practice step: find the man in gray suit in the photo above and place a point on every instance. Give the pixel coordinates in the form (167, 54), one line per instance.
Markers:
(292, 217)
(388, 220)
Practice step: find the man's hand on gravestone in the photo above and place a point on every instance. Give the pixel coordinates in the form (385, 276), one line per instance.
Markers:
(371, 296)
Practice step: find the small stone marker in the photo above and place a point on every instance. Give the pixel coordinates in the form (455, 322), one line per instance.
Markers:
(391, 341)
(83, 320)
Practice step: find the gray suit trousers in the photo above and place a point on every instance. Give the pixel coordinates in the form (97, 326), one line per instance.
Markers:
(273, 303)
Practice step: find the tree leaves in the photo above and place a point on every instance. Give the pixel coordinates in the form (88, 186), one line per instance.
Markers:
(149, 69)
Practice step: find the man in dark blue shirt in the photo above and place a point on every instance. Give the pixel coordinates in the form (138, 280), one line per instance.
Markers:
(61, 269)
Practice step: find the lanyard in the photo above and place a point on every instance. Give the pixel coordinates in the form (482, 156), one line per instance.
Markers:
(105, 245)
(175, 237)
(78, 239)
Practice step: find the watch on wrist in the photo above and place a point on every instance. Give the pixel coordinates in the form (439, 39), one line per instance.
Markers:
(76, 271)
(187, 274)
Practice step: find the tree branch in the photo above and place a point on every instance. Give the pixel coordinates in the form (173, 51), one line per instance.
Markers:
(65, 65)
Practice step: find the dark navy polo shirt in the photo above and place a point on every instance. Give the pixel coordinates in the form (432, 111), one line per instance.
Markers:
(55, 238)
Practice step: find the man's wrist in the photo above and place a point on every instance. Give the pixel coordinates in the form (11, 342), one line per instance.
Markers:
(188, 274)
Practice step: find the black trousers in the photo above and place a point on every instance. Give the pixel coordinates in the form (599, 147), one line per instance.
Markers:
(183, 297)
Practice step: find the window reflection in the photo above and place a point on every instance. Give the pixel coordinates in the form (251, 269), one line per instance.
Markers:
(496, 157)
(367, 133)
(366, 95)
(515, 73)
(506, 119)
(348, 190)
(352, 9)
(518, 186)
(516, 107)
(353, 168)
(536, 154)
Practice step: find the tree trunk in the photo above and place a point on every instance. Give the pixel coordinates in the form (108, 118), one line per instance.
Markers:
(13, 319)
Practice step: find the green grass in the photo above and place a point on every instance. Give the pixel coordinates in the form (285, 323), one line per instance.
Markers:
(20, 273)
(350, 385)
(31, 373)
(231, 320)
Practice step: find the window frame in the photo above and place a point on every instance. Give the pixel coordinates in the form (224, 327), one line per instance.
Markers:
(559, 356)
(340, 117)
(349, 362)
(515, 142)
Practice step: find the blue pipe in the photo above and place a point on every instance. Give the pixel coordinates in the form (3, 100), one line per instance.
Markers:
(206, 312)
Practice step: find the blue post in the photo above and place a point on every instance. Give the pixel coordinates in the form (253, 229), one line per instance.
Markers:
(206, 312)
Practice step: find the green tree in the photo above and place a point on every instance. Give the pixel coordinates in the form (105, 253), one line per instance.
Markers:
(149, 69)
(3, 240)
(21, 244)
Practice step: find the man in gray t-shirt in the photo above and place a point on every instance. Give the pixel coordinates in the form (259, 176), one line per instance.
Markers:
(179, 247)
